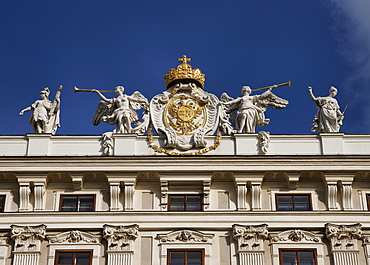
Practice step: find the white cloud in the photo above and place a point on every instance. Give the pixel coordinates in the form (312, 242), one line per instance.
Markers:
(351, 27)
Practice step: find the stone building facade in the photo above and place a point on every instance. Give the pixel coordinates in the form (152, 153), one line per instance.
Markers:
(306, 201)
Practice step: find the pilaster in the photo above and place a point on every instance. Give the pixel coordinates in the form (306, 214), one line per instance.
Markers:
(344, 245)
(256, 195)
(27, 243)
(164, 194)
(206, 192)
(250, 243)
(120, 243)
(129, 195)
(4, 250)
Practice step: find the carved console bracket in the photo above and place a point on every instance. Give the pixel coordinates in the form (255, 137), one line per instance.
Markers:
(344, 245)
(120, 243)
(250, 243)
(27, 243)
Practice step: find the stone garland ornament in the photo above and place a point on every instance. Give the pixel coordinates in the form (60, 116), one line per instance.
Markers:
(45, 115)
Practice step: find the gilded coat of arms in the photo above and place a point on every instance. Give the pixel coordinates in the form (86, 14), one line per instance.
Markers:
(185, 113)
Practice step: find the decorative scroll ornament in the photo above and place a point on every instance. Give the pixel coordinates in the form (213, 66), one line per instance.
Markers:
(28, 238)
(185, 236)
(250, 237)
(120, 237)
(296, 235)
(75, 237)
(185, 113)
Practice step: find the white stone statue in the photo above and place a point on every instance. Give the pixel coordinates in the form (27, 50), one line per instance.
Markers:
(121, 111)
(250, 109)
(45, 116)
(328, 117)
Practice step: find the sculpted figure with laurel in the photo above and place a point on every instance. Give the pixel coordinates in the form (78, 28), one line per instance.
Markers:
(250, 109)
(121, 111)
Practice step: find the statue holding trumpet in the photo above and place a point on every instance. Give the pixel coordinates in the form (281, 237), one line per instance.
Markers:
(121, 110)
(250, 109)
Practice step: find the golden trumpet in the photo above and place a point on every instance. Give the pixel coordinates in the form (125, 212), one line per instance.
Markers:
(283, 84)
(76, 89)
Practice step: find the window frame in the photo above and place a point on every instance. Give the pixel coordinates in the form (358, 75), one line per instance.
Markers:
(297, 250)
(98, 198)
(73, 251)
(293, 201)
(78, 202)
(2, 204)
(314, 198)
(185, 195)
(185, 250)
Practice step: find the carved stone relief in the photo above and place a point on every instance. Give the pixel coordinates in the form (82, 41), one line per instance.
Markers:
(120, 237)
(28, 238)
(185, 236)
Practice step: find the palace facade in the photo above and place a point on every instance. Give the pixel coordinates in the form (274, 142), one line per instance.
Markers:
(303, 199)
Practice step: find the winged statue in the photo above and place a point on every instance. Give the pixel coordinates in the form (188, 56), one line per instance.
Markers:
(250, 109)
(121, 111)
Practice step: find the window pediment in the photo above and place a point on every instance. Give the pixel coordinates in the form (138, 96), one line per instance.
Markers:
(185, 236)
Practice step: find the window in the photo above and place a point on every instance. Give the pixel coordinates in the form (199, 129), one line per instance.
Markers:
(77, 203)
(190, 203)
(293, 202)
(298, 257)
(2, 203)
(185, 257)
(368, 200)
(77, 257)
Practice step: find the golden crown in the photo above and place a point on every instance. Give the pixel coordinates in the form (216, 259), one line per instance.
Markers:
(184, 71)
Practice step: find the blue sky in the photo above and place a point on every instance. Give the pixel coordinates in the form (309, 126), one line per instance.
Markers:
(102, 44)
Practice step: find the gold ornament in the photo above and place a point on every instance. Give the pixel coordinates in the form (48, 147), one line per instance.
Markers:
(202, 151)
(183, 114)
(185, 71)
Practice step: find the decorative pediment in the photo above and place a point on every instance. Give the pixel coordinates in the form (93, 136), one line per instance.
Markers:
(120, 237)
(28, 238)
(296, 235)
(185, 236)
(75, 237)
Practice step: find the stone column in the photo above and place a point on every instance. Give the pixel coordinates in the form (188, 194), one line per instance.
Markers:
(344, 246)
(250, 243)
(4, 250)
(366, 240)
(27, 243)
(120, 243)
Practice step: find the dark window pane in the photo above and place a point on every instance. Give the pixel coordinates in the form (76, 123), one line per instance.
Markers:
(65, 258)
(2, 202)
(193, 199)
(306, 257)
(193, 207)
(177, 258)
(69, 203)
(194, 257)
(289, 257)
(175, 207)
(86, 203)
(301, 198)
(285, 199)
(285, 207)
(177, 199)
(83, 258)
